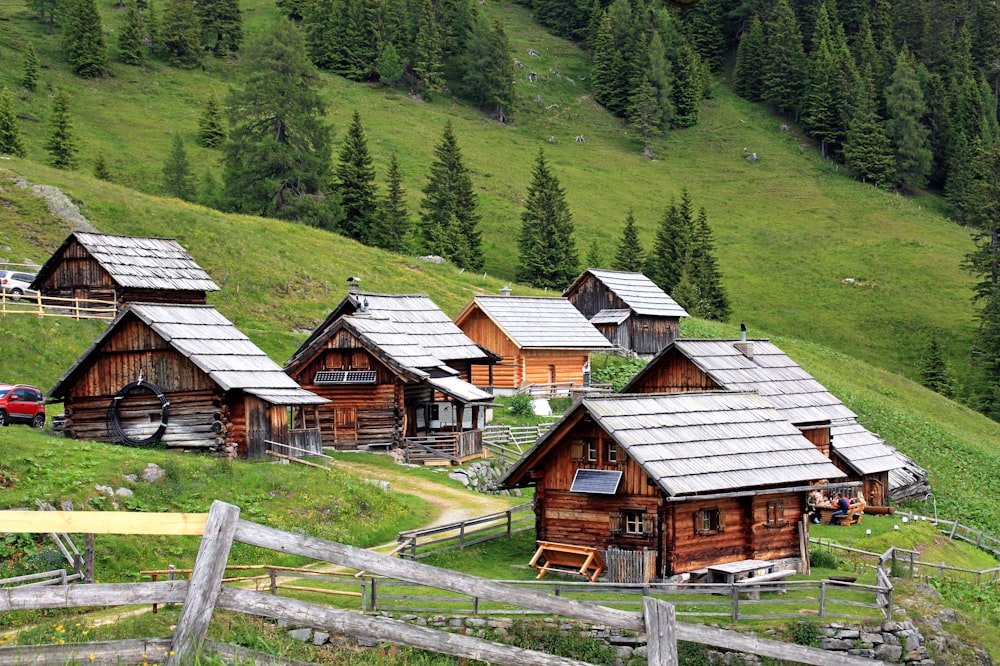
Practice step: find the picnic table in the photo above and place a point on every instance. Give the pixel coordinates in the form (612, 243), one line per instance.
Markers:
(730, 572)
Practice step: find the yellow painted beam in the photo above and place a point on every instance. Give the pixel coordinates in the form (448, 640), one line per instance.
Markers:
(103, 522)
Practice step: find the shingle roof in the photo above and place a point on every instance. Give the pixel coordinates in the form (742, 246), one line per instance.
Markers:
(213, 344)
(637, 291)
(704, 442)
(791, 389)
(139, 263)
(418, 316)
(542, 322)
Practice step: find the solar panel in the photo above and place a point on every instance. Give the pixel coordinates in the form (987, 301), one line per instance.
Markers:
(345, 377)
(600, 481)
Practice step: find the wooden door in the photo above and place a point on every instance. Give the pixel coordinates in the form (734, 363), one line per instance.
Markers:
(345, 427)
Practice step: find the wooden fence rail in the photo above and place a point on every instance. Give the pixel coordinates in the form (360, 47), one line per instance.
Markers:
(204, 592)
(465, 533)
(55, 306)
(894, 558)
(957, 531)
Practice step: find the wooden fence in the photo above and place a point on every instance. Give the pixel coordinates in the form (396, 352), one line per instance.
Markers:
(54, 306)
(564, 389)
(204, 592)
(508, 443)
(464, 533)
(905, 563)
(447, 447)
(957, 531)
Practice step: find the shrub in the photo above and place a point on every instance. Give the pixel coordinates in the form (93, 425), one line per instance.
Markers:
(520, 405)
(805, 633)
(823, 559)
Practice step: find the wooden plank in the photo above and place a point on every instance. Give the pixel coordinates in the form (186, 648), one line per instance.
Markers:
(384, 629)
(103, 653)
(205, 583)
(103, 522)
(661, 636)
(105, 594)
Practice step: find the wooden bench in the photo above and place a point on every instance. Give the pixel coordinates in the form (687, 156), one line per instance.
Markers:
(583, 560)
(854, 514)
(765, 578)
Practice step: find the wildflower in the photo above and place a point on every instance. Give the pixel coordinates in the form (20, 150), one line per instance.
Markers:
(92, 656)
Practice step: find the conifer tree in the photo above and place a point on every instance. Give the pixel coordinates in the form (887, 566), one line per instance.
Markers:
(277, 158)
(355, 178)
(665, 262)
(687, 89)
(645, 114)
(595, 255)
(785, 65)
(180, 34)
(389, 65)
(867, 150)
(748, 74)
(933, 370)
(393, 225)
(630, 256)
(30, 77)
(661, 75)
(131, 48)
(211, 130)
(221, 25)
(822, 98)
(101, 171)
(712, 301)
(428, 62)
(905, 108)
(10, 130)
(449, 221)
(547, 257)
(61, 143)
(83, 39)
(178, 180)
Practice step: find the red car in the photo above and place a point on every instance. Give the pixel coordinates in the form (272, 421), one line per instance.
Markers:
(20, 403)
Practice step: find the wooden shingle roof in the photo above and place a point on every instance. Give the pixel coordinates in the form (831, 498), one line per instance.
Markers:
(636, 290)
(213, 344)
(802, 399)
(700, 443)
(539, 322)
(137, 262)
(417, 316)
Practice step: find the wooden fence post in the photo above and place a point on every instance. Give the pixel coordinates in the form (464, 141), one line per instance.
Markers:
(661, 632)
(205, 583)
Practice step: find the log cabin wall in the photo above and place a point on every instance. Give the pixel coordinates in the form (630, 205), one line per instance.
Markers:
(619, 334)
(820, 437)
(686, 546)
(774, 526)
(359, 415)
(480, 329)
(643, 334)
(673, 373)
(544, 366)
(649, 335)
(263, 421)
(591, 296)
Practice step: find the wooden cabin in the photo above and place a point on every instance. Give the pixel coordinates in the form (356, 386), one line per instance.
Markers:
(701, 479)
(628, 308)
(123, 269)
(185, 376)
(542, 340)
(385, 387)
(759, 365)
(425, 322)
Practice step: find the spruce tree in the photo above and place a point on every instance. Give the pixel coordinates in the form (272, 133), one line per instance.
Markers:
(61, 143)
(449, 221)
(180, 34)
(595, 255)
(101, 171)
(630, 256)
(83, 39)
(131, 46)
(785, 64)
(277, 158)
(29, 79)
(355, 179)
(750, 56)
(867, 150)
(10, 130)
(221, 25)
(211, 130)
(393, 225)
(645, 114)
(822, 98)
(933, 370)
(389, 65)
(905, 108)
(712, 300)
(178, 180)
(687, 89)
(665, 262)
(547, 257)
(428, 62)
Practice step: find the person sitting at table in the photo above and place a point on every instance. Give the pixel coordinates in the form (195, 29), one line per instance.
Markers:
(843, 508)
(812, 505)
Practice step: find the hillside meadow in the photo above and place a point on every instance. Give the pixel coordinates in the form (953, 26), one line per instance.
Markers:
(804, 251)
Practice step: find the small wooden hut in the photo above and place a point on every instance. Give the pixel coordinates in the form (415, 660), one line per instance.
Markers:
(123, 269)
(759, 365)
(700, 479)
(385, 387)
(185, 376)
(628, 308)
(543, 340)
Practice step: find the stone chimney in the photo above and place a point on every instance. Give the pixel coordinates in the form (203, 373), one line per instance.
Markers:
(744, 346)
(353, 284)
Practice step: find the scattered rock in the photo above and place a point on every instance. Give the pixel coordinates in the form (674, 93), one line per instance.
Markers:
(153, 473)
(124, 492)
(303, 634)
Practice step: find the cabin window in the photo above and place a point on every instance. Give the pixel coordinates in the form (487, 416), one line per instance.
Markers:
(631, 523)
(709, 521)
(612, 452)
(584, 450)
(776, 514)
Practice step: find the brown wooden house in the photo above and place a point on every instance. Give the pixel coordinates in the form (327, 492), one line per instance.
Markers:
(542, 340)
(628, 308)
(759, 365)
(185, 376)
(701, 479)
(384, 386)
(123, 269)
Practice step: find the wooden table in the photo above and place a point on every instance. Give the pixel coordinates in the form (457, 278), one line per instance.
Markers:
(734, 571)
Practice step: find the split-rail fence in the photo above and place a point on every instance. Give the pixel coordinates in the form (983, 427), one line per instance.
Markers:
(204, 592)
